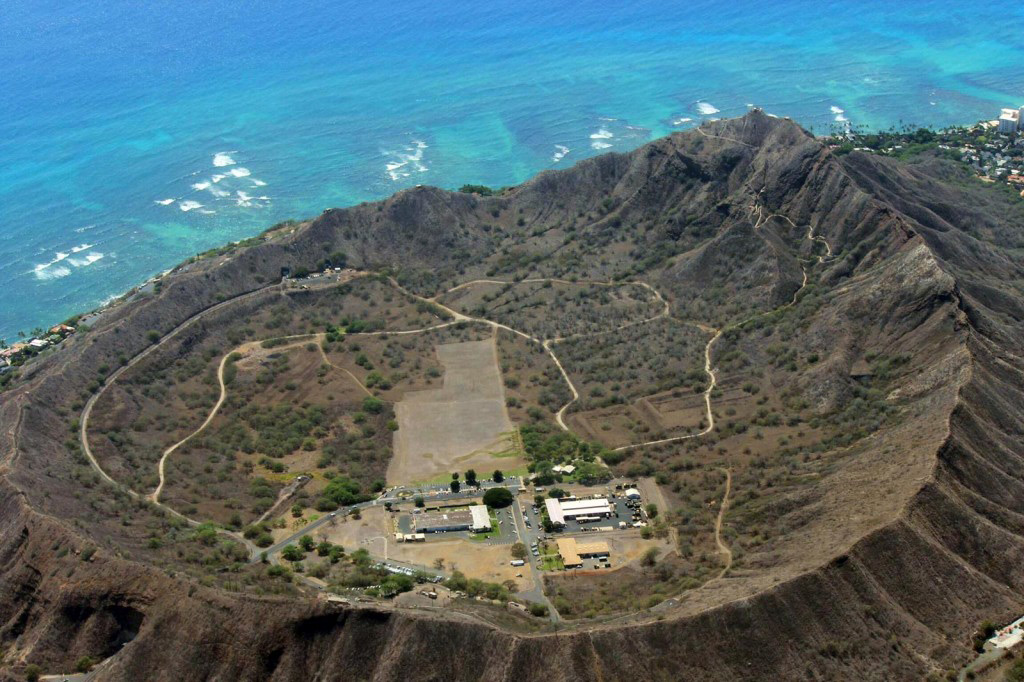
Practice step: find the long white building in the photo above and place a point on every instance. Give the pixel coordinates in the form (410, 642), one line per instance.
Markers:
(559, 511)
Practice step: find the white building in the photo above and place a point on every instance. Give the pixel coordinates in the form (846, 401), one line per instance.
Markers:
(559, 511)
(632, 494)
(1009, 120)
(563, 468)
(481, 518)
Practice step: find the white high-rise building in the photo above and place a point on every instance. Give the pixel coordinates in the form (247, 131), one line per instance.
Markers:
(1009, 120)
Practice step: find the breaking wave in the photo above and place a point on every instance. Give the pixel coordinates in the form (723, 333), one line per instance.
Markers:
(407, 162)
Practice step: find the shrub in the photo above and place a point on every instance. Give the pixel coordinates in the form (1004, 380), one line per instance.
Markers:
(373, 405)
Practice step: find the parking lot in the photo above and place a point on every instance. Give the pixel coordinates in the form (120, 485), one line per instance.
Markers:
(628, 511)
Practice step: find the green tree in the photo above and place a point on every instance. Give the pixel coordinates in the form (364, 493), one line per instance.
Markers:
(518, 550)
(33, 672)
(498, 497)
(418, 501)
(498, 476)
(471, 477)
(556, 493)
(455, 486)
(650, 557)
(652, 510)
(307, 543)
(84, 664)
(206, 533)
(373, 405)
(292, 553)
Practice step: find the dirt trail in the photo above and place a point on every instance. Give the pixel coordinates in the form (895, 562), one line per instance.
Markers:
(83, 432)
(723, 548)
(712, 382)
(548, 343)
(155, 495)
(457, 318)
(700, 129)
(353, 377)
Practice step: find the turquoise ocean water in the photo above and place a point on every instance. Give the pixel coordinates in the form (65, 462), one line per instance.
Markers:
(133, 135)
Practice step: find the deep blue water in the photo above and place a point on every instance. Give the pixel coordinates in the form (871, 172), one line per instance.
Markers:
(110, 108)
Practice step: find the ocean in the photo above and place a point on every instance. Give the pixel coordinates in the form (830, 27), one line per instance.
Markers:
(134, 135)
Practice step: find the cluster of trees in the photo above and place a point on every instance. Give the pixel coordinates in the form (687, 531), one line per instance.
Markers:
(260, 535)
(547, 446)
(472, 480)
(342, 491)
(283, 429)
(474, 587)
(307, 544)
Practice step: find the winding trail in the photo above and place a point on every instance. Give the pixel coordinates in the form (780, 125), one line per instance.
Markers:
(83, 431)
(712, 382)
(547, 344)
(723, 548)
(456, 318)
(155, 495)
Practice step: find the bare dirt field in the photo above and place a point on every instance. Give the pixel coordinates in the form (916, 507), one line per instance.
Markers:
(475, 559)
(355, 533)
(464, 424)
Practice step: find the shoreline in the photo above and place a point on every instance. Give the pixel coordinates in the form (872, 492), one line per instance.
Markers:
(90, 316)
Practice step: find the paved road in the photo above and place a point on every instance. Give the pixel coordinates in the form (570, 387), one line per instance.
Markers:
(527, 536)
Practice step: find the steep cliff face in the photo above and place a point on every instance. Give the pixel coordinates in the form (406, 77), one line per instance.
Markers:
(900, 555)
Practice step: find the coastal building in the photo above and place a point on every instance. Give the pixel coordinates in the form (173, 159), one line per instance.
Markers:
(561, 510)
(1009, 121)
(39, 343)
